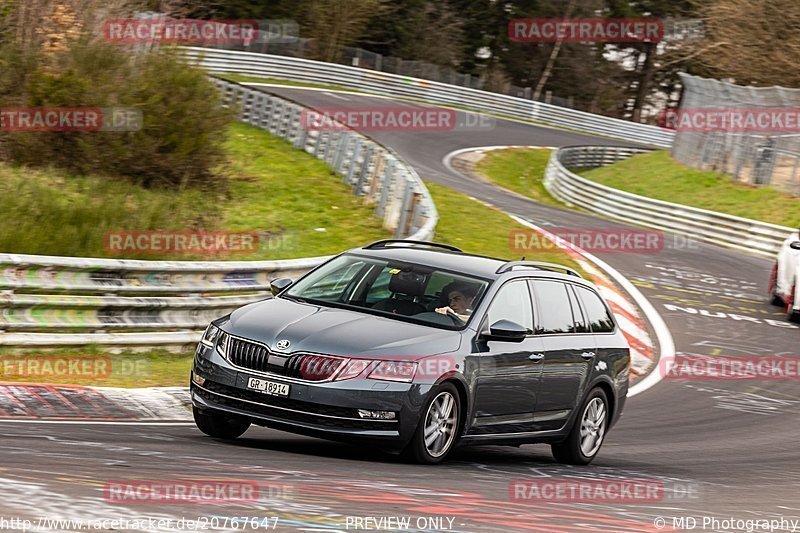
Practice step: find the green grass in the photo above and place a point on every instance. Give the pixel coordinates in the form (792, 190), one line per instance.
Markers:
(658, 176)
(155, 368)
(477, 228)
(520, 170)
(286, 195)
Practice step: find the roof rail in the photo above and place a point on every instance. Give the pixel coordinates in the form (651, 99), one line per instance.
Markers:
(537, 264)
(386, 242)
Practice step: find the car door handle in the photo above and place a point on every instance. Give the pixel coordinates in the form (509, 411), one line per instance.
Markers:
(536, 356)
(587, 355)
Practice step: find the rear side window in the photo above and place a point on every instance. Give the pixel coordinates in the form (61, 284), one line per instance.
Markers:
(597, 314)
(554, 309)
(581, 326)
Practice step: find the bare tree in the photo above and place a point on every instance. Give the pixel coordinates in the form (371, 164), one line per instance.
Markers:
(334, 24)
(551, 60)
(755, 42)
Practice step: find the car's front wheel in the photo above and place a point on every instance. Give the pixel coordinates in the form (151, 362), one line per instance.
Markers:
(218, 425)
(437, 431)
(584, 440)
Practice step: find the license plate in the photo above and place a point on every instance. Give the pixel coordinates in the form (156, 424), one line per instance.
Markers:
(269, 387)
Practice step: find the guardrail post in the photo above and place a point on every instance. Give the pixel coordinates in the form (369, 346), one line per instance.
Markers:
(294, 125)
(411, 213)
(403, 208)
(260, 104)
(353, 161)
(386, 185)
(318, 142)
(333, 138)
(374, 180)
(302, 135)
(275, 123)
(341, 153)
(269, 109)
(362, 176)
(283, 121)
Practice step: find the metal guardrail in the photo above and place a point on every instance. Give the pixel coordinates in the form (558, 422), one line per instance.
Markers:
(52, 298)
(308, 71)
(708, 226)
(46, 301)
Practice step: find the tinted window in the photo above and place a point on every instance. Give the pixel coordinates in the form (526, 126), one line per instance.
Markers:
(581, 326)
(380, 287)
(394, 289)
(552, 302)
(598, 315)
(512, 302)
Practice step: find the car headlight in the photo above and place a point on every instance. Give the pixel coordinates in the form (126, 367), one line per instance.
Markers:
(210, 335)
(376, 369)
(394, 371)
(222, 343)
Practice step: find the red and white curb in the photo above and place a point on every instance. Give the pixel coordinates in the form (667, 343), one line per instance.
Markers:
(34, 402)
(624, 299)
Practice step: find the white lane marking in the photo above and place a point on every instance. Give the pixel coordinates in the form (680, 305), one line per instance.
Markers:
(665, 341)
(334, 95)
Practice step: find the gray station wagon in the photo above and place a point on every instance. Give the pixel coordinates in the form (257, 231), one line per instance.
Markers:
(417, 347)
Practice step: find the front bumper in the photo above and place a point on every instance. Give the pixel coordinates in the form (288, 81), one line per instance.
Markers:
(327, 410)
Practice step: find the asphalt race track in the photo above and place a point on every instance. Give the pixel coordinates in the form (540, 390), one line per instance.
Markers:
(722, 449)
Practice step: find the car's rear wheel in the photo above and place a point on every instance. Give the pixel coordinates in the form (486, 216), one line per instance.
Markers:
(218, 425)
(586, 437)
(437, 431)
(792, 314)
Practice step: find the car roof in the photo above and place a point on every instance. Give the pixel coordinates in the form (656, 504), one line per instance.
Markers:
(457, 261)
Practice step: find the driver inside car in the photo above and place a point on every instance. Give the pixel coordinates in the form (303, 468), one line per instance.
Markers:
(458, 297)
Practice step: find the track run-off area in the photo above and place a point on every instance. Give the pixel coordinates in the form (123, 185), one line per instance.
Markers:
(723, 450)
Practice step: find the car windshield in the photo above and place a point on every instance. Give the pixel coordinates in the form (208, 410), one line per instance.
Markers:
(395, 289)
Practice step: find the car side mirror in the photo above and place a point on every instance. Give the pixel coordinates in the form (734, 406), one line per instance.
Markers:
(507, 331)
(277, 285)
(795, 245)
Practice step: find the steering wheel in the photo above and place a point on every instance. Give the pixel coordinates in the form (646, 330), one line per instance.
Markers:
(457, 319)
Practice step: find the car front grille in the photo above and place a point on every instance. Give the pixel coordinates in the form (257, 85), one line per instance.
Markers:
(253, 356)
(250, 355)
